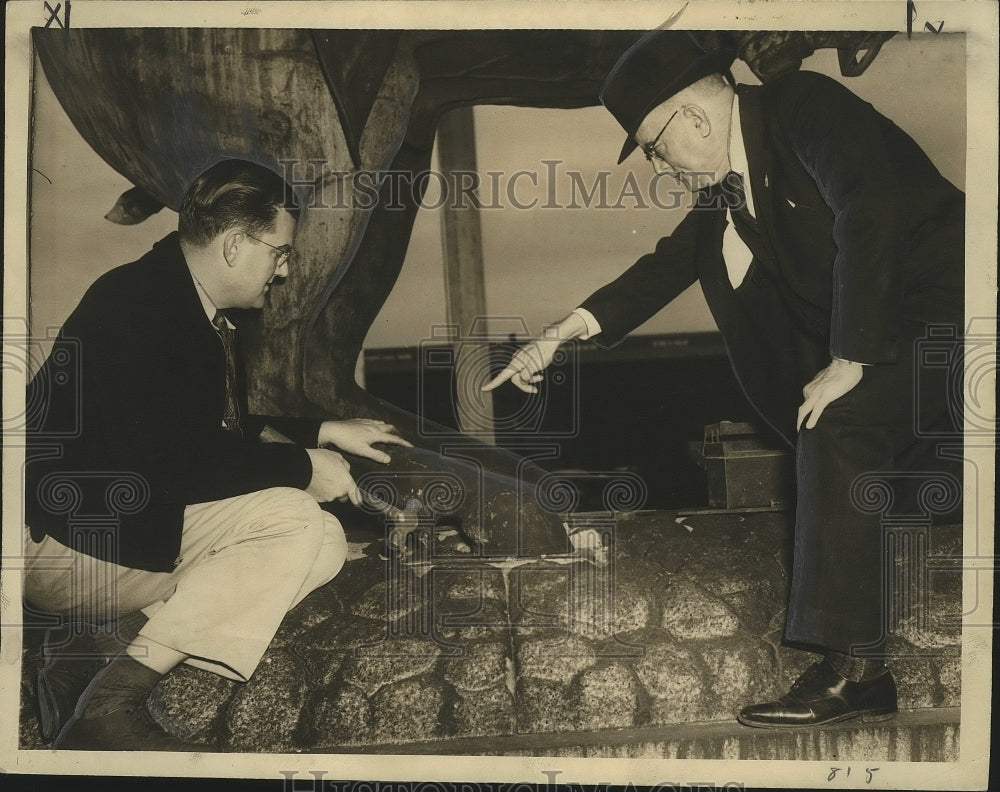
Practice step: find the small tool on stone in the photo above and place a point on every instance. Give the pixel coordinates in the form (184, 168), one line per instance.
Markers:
(382, 505)
(406, 521)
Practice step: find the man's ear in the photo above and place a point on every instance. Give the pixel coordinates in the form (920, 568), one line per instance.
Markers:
(698, 118)
(231, 246)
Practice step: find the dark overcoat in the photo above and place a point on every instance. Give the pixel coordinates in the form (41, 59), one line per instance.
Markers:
(862, 234)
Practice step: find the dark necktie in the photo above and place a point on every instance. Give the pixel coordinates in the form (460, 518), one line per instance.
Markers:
(231, 417)
(746, 226)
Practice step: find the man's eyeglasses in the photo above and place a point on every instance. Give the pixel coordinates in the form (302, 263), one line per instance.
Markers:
(650, 148)
(285, 253)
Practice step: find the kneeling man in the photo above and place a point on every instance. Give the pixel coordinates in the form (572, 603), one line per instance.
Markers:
(217, 534)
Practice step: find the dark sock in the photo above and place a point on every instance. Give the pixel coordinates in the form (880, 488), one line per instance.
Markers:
(856, 669)
(124, 682)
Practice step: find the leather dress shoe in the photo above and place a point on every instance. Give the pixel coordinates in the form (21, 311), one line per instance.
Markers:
(68, 667)
(125, 729)
(821, 697)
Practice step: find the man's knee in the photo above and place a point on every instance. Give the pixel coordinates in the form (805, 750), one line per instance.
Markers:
(333, 552)
(333, 534)
(328, 559)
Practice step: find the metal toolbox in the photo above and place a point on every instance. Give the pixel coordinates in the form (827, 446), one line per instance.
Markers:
(745, 470)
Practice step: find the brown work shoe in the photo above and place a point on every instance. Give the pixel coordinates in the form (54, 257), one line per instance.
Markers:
(72, 654)
(126, 729)
(68, 667)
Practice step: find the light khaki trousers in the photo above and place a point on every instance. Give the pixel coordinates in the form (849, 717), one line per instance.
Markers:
(244, 563)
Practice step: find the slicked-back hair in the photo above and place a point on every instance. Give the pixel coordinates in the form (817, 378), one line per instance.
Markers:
(233, 194)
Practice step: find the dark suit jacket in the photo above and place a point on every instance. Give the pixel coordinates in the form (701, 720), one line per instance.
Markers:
(125, 420)
(861, 234)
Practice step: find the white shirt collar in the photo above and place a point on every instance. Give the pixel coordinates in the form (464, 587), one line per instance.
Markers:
(738, 152)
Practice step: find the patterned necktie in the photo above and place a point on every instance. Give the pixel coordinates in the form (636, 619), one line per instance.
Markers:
(231, 418)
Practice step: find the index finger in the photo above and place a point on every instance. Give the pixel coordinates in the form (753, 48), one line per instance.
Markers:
(373, 454)
(817, 411)
(804, 410)
(394, 439)
(500, 378)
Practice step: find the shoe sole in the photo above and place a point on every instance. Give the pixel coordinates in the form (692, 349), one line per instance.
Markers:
(67, 740)
(866, 716)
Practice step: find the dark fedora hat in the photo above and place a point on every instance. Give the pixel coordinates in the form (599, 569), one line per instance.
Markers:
(652, 70)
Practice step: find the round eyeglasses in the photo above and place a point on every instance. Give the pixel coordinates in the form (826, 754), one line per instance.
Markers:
(650, 148)
(285, 252)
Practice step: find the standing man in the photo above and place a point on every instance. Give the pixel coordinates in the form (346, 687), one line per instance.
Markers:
(219, 534)
(825, 242)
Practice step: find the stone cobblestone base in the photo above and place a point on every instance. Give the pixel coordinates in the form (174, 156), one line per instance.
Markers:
(682, 625)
